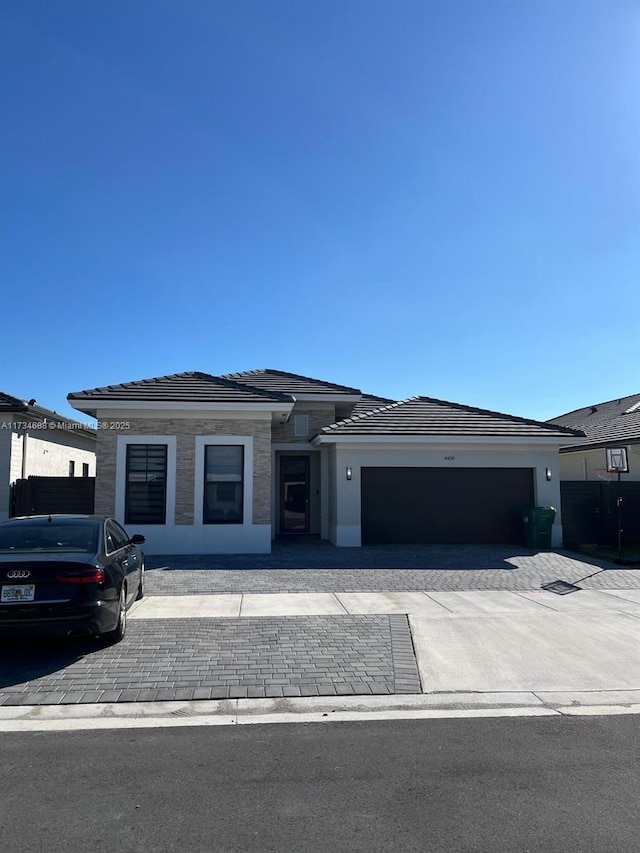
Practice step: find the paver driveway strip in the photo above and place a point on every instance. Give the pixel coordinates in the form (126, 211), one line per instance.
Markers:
(319, 554)
(515, 573)
(178, 659)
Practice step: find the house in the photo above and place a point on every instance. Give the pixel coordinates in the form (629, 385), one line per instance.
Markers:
(214, 464)
(594, 504)
(36, 442)
(605, 425)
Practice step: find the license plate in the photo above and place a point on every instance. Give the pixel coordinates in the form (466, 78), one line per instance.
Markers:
(18, 592)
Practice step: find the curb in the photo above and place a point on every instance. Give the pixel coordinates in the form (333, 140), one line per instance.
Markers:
(229, 712)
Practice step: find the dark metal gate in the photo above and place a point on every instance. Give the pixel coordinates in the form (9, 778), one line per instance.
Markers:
(589, 512)
(49, 495)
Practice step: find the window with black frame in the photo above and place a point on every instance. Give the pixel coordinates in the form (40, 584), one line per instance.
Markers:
(146, 484)
(223, 484)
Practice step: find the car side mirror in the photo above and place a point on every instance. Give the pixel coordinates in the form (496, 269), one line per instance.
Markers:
(137, 539)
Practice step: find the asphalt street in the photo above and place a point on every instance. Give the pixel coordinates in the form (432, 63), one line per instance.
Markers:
(530, 785)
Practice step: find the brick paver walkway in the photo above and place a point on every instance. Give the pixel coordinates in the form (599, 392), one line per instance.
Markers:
(320, 567)
(320, 554)
(186, 659)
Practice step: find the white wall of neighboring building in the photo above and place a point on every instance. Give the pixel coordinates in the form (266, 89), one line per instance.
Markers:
(48, 454)
(5, 468)
(345, 514)
(586, 464)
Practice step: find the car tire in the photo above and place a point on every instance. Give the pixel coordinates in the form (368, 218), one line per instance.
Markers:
(141, 587)
(121, 628)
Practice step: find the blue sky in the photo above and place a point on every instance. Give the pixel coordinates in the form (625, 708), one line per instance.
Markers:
(438, 198)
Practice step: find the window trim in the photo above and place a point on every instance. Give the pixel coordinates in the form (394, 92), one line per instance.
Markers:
(247, 479)
(121, 474)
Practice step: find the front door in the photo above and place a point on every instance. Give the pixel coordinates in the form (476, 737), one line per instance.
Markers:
(294, 494)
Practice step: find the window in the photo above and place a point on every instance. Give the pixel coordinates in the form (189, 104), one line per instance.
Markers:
(72, 468)
(223, 483)
(115, 537)
(301, 425)
(146, 484)
(85, 469)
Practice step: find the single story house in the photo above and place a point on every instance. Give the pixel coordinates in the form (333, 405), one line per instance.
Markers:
(595, 505)
(36, 442)
(223, 464)
(605, 425)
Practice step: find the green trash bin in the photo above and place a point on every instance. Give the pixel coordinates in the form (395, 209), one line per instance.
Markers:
(538, 522)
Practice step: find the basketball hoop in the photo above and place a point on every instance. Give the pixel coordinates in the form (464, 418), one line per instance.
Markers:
(605, 475)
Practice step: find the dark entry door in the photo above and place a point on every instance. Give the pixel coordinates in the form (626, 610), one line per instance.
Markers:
(443, 505)
(294, 494)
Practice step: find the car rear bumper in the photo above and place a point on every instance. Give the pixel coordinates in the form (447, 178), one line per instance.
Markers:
(96, 618)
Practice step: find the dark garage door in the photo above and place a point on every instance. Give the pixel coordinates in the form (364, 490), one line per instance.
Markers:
(444, 505)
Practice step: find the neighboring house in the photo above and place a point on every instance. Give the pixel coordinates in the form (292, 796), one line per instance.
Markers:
(612, 424)
(213, 464)
(38, 442)
(589, 492)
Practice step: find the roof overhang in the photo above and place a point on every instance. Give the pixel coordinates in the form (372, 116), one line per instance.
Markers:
(599, 445)
(51, 421)
(320, 440)
(278, 409)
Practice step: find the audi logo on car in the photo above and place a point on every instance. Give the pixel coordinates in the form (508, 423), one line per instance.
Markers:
(18, 574)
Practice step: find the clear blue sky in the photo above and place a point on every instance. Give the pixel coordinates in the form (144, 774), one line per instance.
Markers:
(417, 197)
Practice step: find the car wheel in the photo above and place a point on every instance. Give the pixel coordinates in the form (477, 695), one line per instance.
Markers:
(119, 631)
(141, 587)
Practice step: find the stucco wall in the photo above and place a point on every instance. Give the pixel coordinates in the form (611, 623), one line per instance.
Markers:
(582, 464)
(5, 462)
(345, 494)
(50, 456)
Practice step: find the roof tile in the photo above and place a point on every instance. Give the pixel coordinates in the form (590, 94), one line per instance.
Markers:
(604, 423)
(289, 383)
(190, 386)
(428, 416)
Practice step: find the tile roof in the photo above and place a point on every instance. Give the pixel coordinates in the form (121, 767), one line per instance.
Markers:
(9, 403)
(368, 402)
(604, 423)
(427, 416)
(289, 383)
(190, 386)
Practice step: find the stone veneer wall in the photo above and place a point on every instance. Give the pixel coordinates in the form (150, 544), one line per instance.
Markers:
(318, 417)
(185, 431)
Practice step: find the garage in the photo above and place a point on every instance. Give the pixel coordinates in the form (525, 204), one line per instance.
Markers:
(444, 505)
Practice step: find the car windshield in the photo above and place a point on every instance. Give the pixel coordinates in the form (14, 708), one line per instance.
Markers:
(28, 538)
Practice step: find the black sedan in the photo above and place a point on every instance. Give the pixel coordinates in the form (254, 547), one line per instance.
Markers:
(68, 575)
